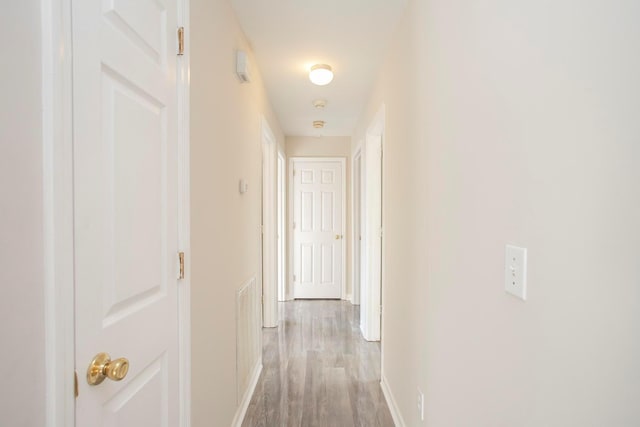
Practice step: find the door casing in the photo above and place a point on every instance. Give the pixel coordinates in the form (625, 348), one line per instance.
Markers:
(372, 317)
(356, 221)
(282, 228)
(269, 228)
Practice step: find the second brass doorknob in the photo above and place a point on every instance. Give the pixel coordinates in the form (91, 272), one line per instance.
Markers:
(102, 367)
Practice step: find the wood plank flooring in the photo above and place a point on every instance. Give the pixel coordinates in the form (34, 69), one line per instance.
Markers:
(318, 371)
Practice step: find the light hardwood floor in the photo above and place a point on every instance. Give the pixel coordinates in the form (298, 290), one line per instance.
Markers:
(318, 371)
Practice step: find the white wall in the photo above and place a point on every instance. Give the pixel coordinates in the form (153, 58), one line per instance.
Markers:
(225, 225)
(513, 122)
(22, 364)
(327, 146)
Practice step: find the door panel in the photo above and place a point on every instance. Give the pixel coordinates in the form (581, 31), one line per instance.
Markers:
(125, 208)
(318, 242)
(327, 210)
(147, 390)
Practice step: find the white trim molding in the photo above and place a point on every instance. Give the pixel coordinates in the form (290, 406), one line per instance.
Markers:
(184, 217)
(372, 281)
(248, 394)
(269, 227)
(391, 403)
(281, 216)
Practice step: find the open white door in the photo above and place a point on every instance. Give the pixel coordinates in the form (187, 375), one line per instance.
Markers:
(317, 223)
(357, 226)
(125, 210)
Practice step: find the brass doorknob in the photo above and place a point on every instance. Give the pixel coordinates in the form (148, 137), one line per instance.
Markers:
(102, 367)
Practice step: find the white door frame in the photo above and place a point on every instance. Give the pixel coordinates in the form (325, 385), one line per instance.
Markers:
(356, 221)
(269, 228)
(282, 227)
(343, 162)
(372, 296)
(184, 215)
(57, 142)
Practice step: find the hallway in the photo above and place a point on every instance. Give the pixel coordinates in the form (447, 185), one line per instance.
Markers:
(318, 370)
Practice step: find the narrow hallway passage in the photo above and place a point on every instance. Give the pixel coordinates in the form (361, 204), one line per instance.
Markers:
(318, 370)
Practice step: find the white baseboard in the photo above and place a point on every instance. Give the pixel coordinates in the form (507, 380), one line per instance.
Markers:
(248, 394)
(391, 403)
(349, 298)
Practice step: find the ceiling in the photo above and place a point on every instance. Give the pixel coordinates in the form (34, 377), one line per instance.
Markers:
(289, 36)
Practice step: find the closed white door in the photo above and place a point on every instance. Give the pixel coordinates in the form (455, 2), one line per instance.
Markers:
(318, 235)
(125, 210)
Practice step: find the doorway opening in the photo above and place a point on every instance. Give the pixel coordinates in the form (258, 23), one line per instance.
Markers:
(357, 225)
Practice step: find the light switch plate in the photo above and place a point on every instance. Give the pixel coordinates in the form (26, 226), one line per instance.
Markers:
(243, 186)
(515, 271)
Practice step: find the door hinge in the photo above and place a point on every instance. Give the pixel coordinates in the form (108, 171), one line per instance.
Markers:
(294, 172)
(181, 261)
(380, 231)
(294, 225)
(181, 41)
(76, 390)
(294, 277)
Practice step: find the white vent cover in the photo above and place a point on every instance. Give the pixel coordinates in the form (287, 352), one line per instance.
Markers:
(242, 66)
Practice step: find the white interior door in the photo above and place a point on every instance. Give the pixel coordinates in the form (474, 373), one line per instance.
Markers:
(318, 235)
(125, 203)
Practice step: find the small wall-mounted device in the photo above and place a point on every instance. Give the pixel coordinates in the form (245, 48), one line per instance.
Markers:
(515, 271)
(243, 186)
(242, 66)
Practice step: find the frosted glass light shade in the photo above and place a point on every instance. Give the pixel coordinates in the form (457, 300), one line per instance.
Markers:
(321, 74)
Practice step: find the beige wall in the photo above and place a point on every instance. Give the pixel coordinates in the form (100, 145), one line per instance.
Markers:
(513, 123)
(225, 225)
(22, 365)
(324, 146)
(327, 146)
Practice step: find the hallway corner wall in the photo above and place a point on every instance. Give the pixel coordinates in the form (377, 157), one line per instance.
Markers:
(225, 224)
(512, 123)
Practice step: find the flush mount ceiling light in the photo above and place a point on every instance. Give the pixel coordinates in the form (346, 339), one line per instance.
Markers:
(319, 104)
(321, 74)
(318, 124)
